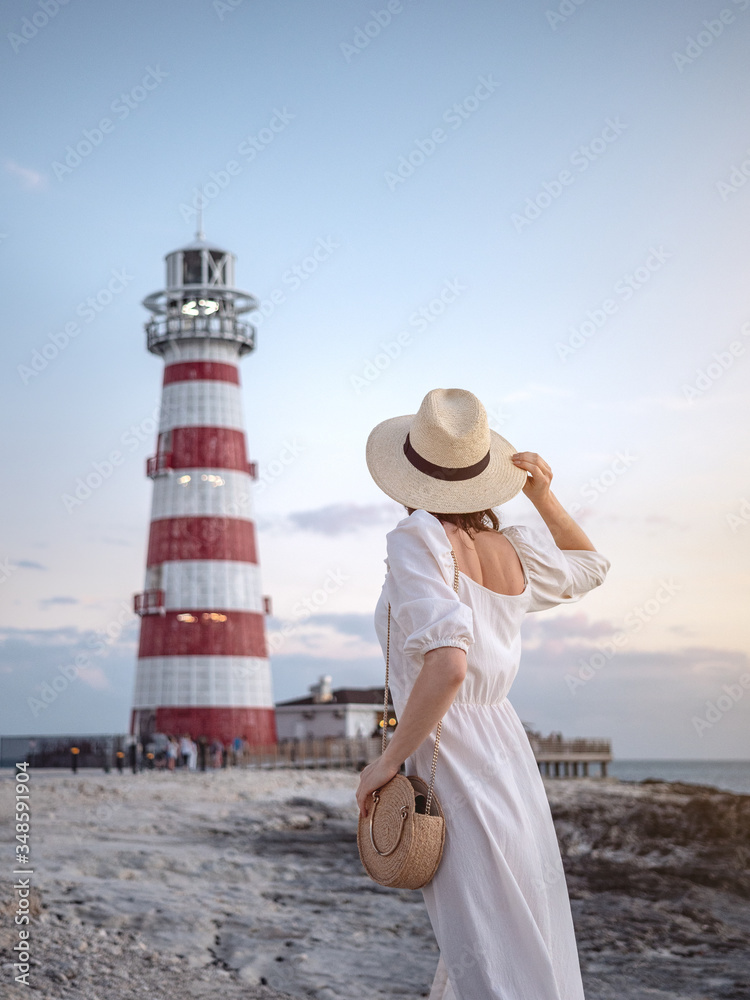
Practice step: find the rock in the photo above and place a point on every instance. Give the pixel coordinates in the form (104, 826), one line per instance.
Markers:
(299, 821)
(249, 974)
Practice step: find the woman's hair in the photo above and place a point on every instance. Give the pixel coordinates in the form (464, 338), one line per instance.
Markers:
(480, 520)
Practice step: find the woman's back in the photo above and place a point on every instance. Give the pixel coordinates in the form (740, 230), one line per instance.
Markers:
(488, 558)
(502, 576)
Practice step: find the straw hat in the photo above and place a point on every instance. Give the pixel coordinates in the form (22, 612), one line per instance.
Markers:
(444, 458)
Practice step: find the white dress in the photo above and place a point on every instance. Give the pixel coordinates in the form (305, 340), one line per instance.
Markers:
(498, 903)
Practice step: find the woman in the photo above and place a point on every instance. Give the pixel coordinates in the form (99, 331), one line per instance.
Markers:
(173, 750)
(498, 903)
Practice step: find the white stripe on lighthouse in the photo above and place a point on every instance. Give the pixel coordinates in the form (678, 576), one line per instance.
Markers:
(212, 681)
(214, 584)
(203, 493)
(200, 403)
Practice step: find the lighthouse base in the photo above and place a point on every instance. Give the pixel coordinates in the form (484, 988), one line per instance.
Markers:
(257, 726)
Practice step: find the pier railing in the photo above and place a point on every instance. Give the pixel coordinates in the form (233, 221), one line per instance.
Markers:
(355, 752)
(555, 756)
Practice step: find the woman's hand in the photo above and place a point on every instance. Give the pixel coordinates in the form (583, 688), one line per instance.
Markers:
(565, 531)
(537, 486)
(373, 776)
(441, 676)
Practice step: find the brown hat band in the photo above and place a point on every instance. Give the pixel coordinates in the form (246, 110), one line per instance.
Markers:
(444, 471)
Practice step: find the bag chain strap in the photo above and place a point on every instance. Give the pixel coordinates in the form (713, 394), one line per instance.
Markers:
(428, 802)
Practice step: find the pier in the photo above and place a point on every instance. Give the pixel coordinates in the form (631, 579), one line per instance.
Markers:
(558, 757)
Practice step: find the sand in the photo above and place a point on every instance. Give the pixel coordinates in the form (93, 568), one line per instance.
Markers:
(244, 883)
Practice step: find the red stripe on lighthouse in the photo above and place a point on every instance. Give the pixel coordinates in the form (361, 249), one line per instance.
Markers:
(242, 633)
(208, 448)
(213, 371)
(176, 538)
(255, 725)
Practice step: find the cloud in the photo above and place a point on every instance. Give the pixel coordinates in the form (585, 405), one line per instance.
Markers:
(339, 518)
(45, 602)
(361, 625)
(552, 636)
(31, 180)
(654, 523)
(683, 630)
(664, 403)
(644, 701)
(332, 636)
(292, 675)
(320, 639)
(29, 564)
(93, 696)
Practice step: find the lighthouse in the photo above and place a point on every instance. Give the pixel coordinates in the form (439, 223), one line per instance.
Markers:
(202, 660)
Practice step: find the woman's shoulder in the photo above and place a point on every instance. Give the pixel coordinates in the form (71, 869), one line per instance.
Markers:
(419, 536)
(542, 557)
(521, 535)
(420, 528)
(536, 549)
(420, 524)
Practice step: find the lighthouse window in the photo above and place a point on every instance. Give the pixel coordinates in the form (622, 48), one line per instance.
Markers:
(191, 268)
(218, 273)
(164, 445)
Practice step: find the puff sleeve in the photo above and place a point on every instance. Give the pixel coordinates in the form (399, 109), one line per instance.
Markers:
(556, 576)
(419, 587)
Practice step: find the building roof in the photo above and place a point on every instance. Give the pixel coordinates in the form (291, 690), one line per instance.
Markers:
(200, 244)
(343, 696)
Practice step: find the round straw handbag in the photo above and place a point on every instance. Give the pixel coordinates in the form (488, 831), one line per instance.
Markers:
(401, 839)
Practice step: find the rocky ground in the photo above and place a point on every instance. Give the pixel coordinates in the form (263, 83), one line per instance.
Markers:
(248, 884)
(659, 879)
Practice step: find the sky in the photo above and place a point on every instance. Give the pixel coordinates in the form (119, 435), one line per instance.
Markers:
(546, 203)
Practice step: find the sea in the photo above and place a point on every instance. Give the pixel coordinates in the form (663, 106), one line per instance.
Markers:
(728, 775)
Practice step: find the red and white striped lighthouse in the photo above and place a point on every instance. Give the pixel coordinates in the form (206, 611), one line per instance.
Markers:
(202, 662)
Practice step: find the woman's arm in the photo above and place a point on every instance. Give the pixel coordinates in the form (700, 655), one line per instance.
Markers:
(566, 532)
(435, 688)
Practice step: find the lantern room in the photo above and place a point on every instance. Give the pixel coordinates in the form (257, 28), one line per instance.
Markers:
(200, 299)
